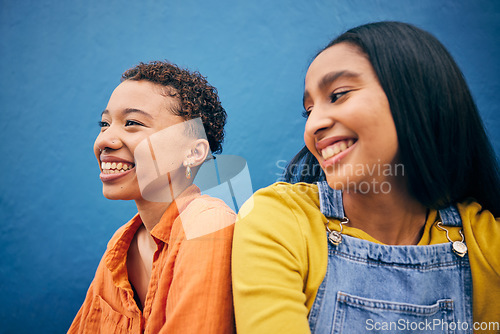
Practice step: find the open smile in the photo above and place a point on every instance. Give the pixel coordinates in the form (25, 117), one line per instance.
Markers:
(113, 168)
(337, 147)
(332, 150)
(116, 167)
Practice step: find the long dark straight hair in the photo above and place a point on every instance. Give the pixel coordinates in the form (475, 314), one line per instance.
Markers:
(442, 141)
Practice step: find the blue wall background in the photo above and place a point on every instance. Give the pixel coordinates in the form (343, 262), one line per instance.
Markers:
(60, 60)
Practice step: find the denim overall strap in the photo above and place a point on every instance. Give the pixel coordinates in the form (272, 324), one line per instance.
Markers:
(375, 288)
(450, 216)
(330, 201)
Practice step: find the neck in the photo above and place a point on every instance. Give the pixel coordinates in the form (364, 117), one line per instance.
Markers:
(150, 212)
(394, 218)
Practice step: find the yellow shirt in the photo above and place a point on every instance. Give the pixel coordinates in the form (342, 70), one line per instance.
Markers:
(280, 258)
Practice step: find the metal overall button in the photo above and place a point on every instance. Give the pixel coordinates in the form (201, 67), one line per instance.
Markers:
(459, 247)
(335, 237)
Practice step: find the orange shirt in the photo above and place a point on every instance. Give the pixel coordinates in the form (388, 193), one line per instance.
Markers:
(190, 287)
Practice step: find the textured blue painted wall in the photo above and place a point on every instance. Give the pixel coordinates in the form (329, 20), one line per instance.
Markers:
(60, 60)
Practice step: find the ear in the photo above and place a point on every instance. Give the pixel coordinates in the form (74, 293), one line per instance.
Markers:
(200, 149)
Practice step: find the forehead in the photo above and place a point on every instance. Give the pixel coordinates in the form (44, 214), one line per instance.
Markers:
(143, 95)
(337, 58)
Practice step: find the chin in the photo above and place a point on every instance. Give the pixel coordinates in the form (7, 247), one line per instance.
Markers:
(342, 182)
(117, 195)
(359, 185)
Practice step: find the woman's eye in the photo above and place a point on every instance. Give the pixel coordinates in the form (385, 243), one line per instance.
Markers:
(131, 123)
(335, 96)
(306, 113)
(103, 124)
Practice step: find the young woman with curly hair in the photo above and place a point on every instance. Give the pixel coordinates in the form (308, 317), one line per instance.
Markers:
(398, 229)
(168, 269)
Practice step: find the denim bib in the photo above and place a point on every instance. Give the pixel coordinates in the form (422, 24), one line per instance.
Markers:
(373, 288)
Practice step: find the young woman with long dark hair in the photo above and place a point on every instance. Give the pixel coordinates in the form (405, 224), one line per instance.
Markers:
(399, 226)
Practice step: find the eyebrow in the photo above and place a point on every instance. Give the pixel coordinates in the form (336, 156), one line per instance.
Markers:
(129, 111)
(329, 78)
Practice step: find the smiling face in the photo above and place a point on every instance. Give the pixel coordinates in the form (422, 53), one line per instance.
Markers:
(135, 111)
(350, 129)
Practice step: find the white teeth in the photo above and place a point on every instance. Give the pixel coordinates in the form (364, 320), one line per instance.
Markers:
(115, 167)
(327, 152)
(336, 148)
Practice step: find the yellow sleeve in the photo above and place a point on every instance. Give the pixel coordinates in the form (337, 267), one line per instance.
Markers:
(269, 267)
(482, 235)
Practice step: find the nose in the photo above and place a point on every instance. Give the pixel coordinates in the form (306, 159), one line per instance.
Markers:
(318, 121)
(108, 139)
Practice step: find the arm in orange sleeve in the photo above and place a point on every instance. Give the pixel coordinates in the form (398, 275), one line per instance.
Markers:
(200, 297)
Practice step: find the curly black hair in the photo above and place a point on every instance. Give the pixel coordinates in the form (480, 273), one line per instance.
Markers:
(196, 96)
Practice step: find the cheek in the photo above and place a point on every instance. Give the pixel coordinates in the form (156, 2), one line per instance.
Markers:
(97, 151)
(384, 140)
(387, 132)
(311, 144)
(308, 140)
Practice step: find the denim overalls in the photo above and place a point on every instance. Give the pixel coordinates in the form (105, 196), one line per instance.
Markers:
(373, 288)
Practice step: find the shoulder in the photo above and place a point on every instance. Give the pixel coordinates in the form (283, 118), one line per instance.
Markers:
(205, 215)
(473, 214)
(281, 212)
(207, 206)
(480, 224)
(282, 197)
(296, 191)
(482, 231)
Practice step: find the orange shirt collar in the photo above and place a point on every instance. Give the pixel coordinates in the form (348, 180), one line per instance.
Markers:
(116, 258)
